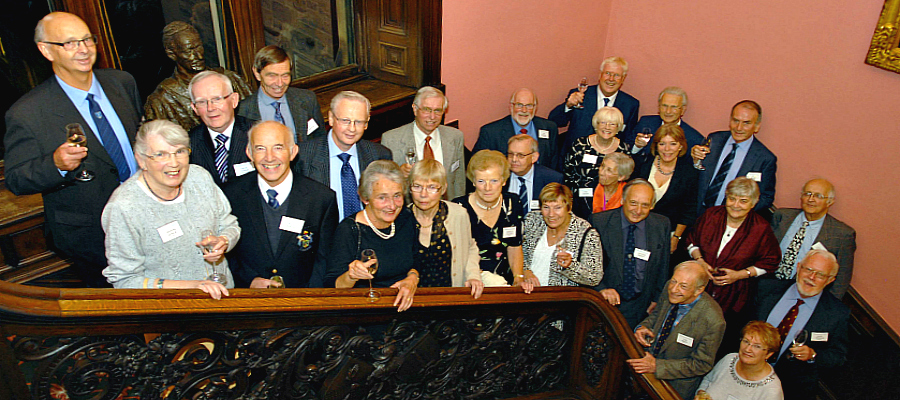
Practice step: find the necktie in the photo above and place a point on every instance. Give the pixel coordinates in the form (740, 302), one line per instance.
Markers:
(273, 201)
(348, 187)
(523, 196)
(278, 116)
(786, 268)
(427, 152)
(606, 102)
(665, 330)
(109, 138)
(523, 131)
(628, 279)
(712, 193)
(222, 157)
(788, 321)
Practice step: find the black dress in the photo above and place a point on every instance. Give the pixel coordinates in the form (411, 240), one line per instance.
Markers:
(493, 241)
(433, 262)
(395, 255)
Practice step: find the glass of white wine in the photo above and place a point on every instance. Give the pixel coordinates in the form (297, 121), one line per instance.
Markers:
(698, 164)
(369, 254)
(215, 276)
(411, 155)
(75, 136)
(582, 87)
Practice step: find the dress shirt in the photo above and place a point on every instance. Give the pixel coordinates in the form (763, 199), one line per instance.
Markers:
(518, 128)
(739, 155)
(435, 144)
(529, 185)
(640, 242)
(803, 313)
(334, 169)
(635, 149)
(682, 311)
(227, 132)
(283, 189)
(812, 231)
(267, 112)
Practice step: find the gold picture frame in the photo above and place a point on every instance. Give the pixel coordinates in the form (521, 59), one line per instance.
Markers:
(884, 51)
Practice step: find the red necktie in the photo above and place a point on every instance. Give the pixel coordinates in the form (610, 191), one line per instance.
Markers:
(785, 326)
(523, 131)
(428, 152)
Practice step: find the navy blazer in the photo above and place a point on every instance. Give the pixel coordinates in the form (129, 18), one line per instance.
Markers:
(312, 158)
(542, 176)
(495, 136)
(679, 204)
(303, 106)
(579, 119)
(758, 159)
(653, 122)
(203, 150)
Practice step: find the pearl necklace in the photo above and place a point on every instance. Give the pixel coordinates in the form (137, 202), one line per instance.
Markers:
(158, 196)
(597, 142)
(484, 207)
(378, 232)
(659, 168)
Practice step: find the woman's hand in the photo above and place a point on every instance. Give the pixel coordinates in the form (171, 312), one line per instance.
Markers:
(477, 287)
(219, 246)
(727, 277)
(407, 289)
(214, 289)
(564, 259)
(360, 270)
(709, 269)
(674, 245)
(528, 283)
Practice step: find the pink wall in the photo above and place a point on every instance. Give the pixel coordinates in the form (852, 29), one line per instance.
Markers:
(826, 113)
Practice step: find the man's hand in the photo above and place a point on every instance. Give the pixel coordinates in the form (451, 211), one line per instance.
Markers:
(641, 140)
(641, 334)
(644, 365)
(612, 296)
(407, 287)
(67, 157)
(699, 152)
(477, 287)
(263, 283)
(405, 169)
(651, 307)
(574, 99)
(802, 353)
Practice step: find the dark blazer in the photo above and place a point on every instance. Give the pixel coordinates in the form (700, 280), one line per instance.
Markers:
(758, 159)
(253, 256)
(495, 136)
(836, 236)
(542, 176)
(303, 105)
(203, 150)
(798, 379)
(679, 204)
(691, 135)
(35, 128)
(579, 119)
(312, 158)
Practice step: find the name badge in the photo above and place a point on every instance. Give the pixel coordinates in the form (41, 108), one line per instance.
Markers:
(291, 224)
(730, 397)
(642, 254)
(535, 204)
(543, 134)
(311, 126)
(585, 192)
(819, 246)
(170, 231)
(509, 231)
(454, 166)
(589, 159)
(756, 176)
(819, 337)
(685, 340)
(243, 168)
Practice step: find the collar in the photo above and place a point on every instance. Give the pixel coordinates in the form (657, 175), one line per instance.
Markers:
(516, 127)
(600, 97)
(283, 188)
(626, 222)
(334, 150)
(741, 145)
(227, 132)
(812, 224)
(529, 176)
(792, 294)
(420, 136)
(78, 96)
(266, 99)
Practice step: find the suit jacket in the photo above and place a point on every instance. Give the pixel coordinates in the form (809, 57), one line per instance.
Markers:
(836, 236)
(35, 128)
(758, 159)
(312, 158)
(400, 139)
(684, 366)
(799, 378)
(303, 105)
(310, 201)
(653, 122)
(579, 119)
(203, 149)
(679, 204)
(495, 136)
(542, 176)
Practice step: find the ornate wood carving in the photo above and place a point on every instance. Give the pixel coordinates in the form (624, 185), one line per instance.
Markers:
(884, 51)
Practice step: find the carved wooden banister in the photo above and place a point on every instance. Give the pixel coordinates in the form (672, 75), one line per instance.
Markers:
(315, 344)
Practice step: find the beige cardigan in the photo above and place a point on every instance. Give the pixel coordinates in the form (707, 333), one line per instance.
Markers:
(465, 263)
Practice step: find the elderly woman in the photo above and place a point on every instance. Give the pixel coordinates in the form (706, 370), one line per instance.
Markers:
(614, 172)
(384, 226)
(581, 167)
(746, 374)
(496, 217)
(154, 221)
(446, 253)
(553, 236)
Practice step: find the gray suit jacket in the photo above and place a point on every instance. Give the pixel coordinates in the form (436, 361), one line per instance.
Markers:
(304, 106)
(312, 158)
(399, 139)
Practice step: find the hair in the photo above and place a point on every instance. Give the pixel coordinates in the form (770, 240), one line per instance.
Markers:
(268, 125)
(170, 132)
(744, 187)
(827, 255)
(765, 332)
(831, 191)
(555, 191)
(677, 91)
(624, 163)
(638, 182)
(702, 277)
(751, 105)
(210, 74)
(270, 54)
(350, 95)
(429, 170)
(485, 159)
(173, 29)
(513, 97)
(522, 137)
(377, 170)
(675, 132)
(39, 32)
(427, 92)
(608, 113)
(618, 60)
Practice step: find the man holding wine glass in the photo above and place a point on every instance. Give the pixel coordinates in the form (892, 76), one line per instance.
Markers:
(672, 104)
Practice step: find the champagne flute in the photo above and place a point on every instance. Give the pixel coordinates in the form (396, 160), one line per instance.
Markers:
(582, 87)
(369, 254)
(799, 340)
(75, 136)
(698, 164)
(215, 276)
(411, 155)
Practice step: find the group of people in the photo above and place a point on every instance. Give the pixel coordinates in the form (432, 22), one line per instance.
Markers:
(672, 228)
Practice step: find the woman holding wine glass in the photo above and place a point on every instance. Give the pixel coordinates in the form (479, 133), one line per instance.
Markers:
(746, 374)
(154, 221)
(384, 226)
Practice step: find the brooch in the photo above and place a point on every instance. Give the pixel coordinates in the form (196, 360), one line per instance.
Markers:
(304, 240)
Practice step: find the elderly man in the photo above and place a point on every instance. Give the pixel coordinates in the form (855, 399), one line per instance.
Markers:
(430, 139)
(218, 143)
(527, 178)
(672, 104)
(736, 153)
(172, 97)
(39, 159)
(805, 306)
(337, 159)
(276, 100)
(683, 333)
(287, 219)
(635, 252)
(578, 109)
(522, 107)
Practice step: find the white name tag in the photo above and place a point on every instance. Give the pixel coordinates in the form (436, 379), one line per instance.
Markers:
(311, 126)
(509, 231)
(585, 192)
(543, 134)
(642, 254)
(291, 224)
(685, 340)
(454, 166)
(243, 168)
(170, 231)
(819, 337)
(535, 204)
(819, 246)
(589, 159)
(756, 176)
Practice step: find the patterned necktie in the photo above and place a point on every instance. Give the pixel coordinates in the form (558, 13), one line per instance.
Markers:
(523, 196)
(788, 321)
(278, 116)
(222, 157)
(712, 193)
(273, 201)
(628, 279)
(666, 329)
(427, 152)
(786, 268)
(348, 187)
(109, 138)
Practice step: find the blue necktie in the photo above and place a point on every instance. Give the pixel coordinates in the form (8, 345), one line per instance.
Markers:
(222, 157)
(273, 201)
(523, 196)
(628, 279)
(278, 116)
(713, 192)
(668, 324)
(110, 140)
(348, 187)
(606, 102)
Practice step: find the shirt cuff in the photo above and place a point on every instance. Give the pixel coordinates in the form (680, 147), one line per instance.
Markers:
(759, 271)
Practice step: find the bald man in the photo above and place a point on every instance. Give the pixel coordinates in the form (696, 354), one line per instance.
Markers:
(523, 104)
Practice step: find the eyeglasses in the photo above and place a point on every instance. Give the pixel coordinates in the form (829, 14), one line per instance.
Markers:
(345, 122)
(181, 153)
(89, 41)
(429, 110)
(607, 123)
(818, 196)
(818, 275)
(215, 101)
(754, 346)
(433, 189)
(528, 107)
(519, 156)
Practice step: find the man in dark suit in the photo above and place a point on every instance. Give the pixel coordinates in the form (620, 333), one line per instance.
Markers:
(218, 143)
(298, 109)
(741, 154)
(38, 158)
(606, 93)
(798, 232)
(635, 252)
(338, 159)
(287, 220)
(526, 178)
(522, 107)
(672, 103)
(806, 306)
(686, 330)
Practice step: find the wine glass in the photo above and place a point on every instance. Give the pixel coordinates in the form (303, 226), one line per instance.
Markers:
(698, 164)
(799, 340)
(646, 133)
(411, 155)
(582, 86)
(278, 279)
(369, 254)
(75, 136)
(215, 276)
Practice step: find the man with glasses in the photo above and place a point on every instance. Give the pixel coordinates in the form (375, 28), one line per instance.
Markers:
(218, 142)
(813, 228)
(522, 106)
(39, 159)
(805, 306)
(430, 140)
(672, 104)
(527, 178)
